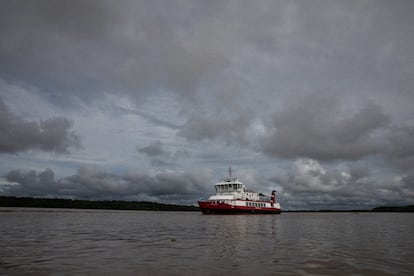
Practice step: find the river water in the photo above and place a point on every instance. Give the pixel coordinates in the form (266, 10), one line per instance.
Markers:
(68, 242)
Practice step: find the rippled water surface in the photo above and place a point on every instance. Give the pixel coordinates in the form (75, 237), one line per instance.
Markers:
(59, 242)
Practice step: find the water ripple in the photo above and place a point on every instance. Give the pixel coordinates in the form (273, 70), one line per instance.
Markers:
(59, 242)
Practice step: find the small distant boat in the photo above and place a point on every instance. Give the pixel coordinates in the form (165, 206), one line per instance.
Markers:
(233, 197)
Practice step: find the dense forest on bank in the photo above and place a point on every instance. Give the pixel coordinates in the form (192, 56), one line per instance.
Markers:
(89, 204)
(409, 208)
(143, 205)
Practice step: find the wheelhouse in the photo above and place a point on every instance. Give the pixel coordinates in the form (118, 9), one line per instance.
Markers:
(230, 187)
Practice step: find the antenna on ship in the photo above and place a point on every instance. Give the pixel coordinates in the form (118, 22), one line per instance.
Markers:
(230, 172)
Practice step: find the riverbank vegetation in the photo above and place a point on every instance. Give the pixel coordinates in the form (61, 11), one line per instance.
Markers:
(409, 208)
(90, 204)
(143, 205)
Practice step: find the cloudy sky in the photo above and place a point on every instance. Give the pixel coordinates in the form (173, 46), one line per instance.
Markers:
(153, 100)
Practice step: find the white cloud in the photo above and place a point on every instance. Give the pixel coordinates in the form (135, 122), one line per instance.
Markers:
(308, 183)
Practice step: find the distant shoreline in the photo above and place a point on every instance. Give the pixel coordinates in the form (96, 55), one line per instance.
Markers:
(6, 201)
(390, 209)
(91, 204)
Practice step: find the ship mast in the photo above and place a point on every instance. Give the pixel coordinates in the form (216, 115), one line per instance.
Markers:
(230, 172)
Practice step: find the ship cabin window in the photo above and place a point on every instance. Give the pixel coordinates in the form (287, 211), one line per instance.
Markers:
(231, 187)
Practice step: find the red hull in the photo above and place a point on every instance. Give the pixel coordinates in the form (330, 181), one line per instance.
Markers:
(209, 207)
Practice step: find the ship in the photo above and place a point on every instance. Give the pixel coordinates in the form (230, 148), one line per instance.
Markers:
(232, 197)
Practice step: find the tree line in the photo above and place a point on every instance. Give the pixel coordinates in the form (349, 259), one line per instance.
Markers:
(6, 201)
(91, 204)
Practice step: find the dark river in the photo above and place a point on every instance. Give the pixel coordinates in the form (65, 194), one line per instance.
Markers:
(83, 242)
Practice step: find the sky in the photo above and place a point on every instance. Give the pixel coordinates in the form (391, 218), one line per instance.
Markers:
(154, 100)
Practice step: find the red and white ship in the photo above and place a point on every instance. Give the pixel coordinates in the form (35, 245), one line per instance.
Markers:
(233, 197)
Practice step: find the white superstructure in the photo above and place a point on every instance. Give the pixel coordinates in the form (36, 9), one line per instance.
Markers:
(233, 196)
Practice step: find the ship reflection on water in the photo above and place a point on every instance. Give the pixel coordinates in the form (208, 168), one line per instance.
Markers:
(185, 243)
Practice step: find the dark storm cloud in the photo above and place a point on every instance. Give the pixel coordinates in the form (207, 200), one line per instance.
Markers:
(316, 126)
(401, 140)
(44, 41)
(408, 185)
(200, 50)
(131, 47)
(93, 183)
(139, 47)
(151, 119)
(358, 172)
(228, 125)
(154, 149)
(312, 126)
(33, 183)
(160, 156)
(51, 135)
(181, 184)
(157, 154)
